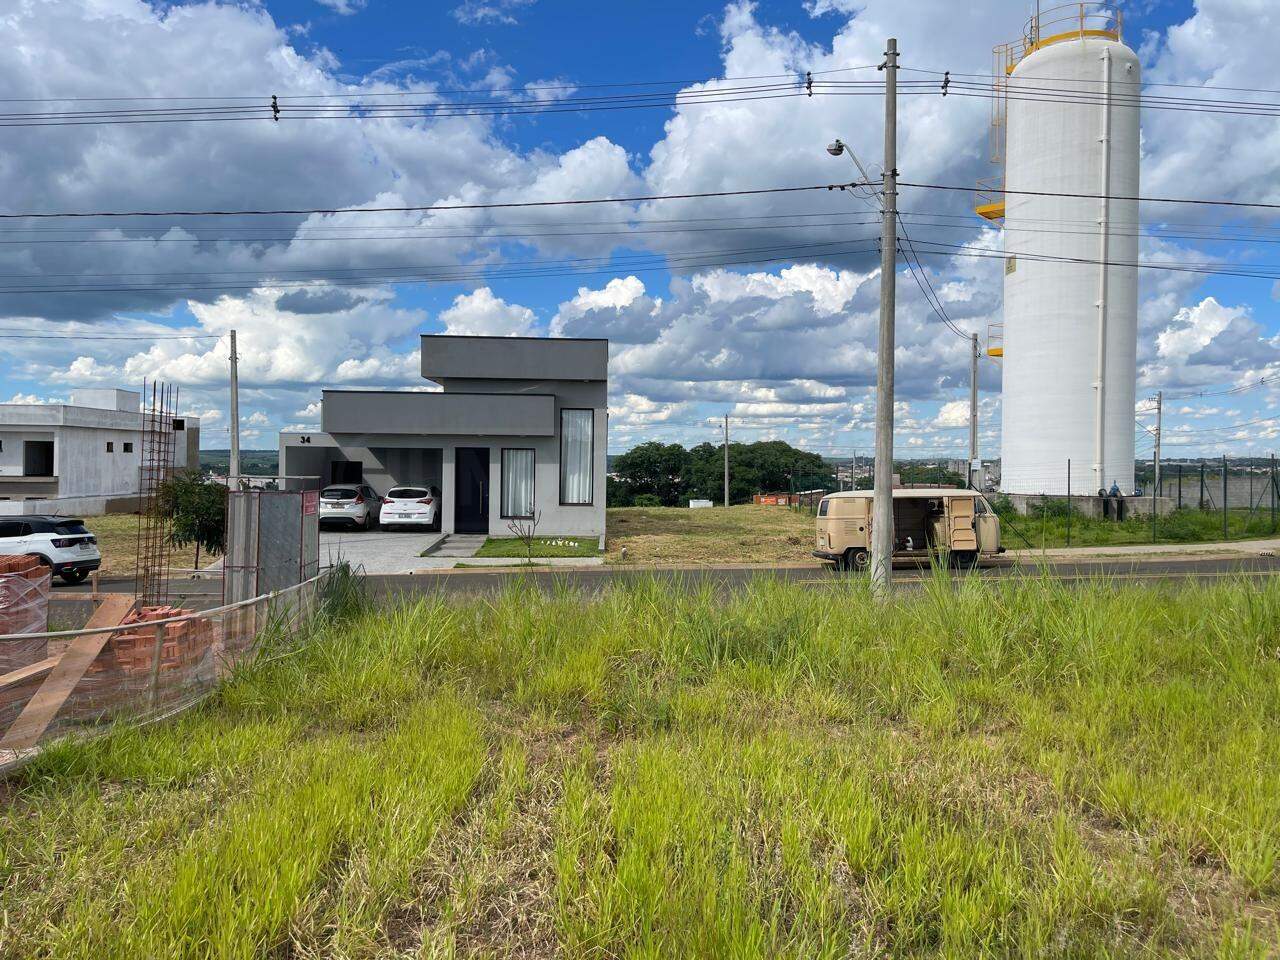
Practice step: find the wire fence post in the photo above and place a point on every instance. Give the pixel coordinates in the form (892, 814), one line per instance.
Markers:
(1201, 483)
(1044, 517)
(1155, 472)
(1179, 486)
(1224, 497)
(1275, 493)
(153, 693)
(1068, 501)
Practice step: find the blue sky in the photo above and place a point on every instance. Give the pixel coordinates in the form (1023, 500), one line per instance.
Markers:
(785, 347)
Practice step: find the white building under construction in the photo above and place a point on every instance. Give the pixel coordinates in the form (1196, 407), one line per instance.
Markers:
(84, 456)
(1065, 127)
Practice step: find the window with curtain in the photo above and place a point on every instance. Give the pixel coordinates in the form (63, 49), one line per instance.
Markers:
(576, 449)
(517, 484)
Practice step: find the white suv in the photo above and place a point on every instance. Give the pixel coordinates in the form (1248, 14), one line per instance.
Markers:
(62, 543)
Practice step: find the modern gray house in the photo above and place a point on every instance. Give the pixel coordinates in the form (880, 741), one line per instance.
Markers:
(518, 429)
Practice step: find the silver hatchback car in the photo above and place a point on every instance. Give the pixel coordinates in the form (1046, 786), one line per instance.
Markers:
(350, 503)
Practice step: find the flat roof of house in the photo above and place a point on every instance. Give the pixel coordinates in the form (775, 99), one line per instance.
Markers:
(455, 357)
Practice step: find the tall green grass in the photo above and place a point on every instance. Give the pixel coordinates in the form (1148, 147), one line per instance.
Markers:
(1017, 768)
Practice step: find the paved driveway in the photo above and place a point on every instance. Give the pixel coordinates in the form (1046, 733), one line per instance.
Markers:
(378, 551)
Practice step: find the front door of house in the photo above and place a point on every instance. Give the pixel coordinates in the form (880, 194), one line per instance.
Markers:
(471, 490)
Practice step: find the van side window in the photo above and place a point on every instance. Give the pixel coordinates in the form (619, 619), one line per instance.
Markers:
(822, 507)
(979, 506)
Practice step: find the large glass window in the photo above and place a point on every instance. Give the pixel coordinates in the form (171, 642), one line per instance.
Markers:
(576, 453)
(517, 484)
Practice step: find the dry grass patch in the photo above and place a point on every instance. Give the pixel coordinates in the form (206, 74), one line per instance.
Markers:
(117, 535)
(741, 534)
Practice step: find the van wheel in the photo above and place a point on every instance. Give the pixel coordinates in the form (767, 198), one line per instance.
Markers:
(964, 559)
(855, 560)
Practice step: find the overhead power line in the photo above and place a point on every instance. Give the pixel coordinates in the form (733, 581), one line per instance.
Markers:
(931, 295)
(425, 208)
(602, 266)
(1118, 82)
(1089, 196)
(1230, 391)
(11, 335)
(564, 85)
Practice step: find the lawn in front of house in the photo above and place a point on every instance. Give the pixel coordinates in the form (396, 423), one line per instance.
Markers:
(542, 547)
(712, 535)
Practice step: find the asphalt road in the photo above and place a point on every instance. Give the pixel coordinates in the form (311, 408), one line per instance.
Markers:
(206, 593)
(1152, 569)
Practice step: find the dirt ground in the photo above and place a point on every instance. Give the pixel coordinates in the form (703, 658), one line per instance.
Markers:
(741, 534)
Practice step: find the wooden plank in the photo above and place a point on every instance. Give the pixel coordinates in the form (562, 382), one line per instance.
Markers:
(62, 679)
(22, 674)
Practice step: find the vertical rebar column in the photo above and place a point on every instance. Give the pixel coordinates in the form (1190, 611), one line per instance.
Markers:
(156, 463)
(1201, 483)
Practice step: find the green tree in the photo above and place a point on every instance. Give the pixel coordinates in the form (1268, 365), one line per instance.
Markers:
(197, 512)
(655, 468)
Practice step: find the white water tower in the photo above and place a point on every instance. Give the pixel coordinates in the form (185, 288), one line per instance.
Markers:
(1069, 124)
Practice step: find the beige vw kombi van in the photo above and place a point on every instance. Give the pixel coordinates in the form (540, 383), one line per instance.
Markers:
(956, 524)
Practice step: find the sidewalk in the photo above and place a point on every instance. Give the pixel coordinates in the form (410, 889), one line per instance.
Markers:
(1229, 548)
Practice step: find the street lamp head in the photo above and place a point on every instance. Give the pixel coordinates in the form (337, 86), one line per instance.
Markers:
(835, 149)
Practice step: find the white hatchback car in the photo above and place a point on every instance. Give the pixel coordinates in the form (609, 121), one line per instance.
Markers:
(412, 507)
(63, 544)
(354, 503)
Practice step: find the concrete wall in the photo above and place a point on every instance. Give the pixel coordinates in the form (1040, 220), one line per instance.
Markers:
(86, 469)
(69, 506)
(1089, 506)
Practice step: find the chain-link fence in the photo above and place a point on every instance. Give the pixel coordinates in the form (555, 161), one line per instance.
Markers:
(1171, 501)
(133, 665)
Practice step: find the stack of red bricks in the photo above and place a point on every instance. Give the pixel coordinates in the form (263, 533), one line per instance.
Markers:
(183, 643)
(24, 608)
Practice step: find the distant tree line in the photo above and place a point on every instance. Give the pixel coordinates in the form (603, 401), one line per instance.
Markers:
(667, 475)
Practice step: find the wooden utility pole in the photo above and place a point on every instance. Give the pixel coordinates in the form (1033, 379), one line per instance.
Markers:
(726, 460)
(233, 468)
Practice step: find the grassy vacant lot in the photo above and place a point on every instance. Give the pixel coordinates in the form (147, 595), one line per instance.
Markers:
(117, 539)
(742, 534)
(542, 547)
(1182, 526)
(977, 770)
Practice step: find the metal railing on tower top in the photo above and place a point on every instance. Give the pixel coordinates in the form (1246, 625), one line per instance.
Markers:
(1057, 24)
